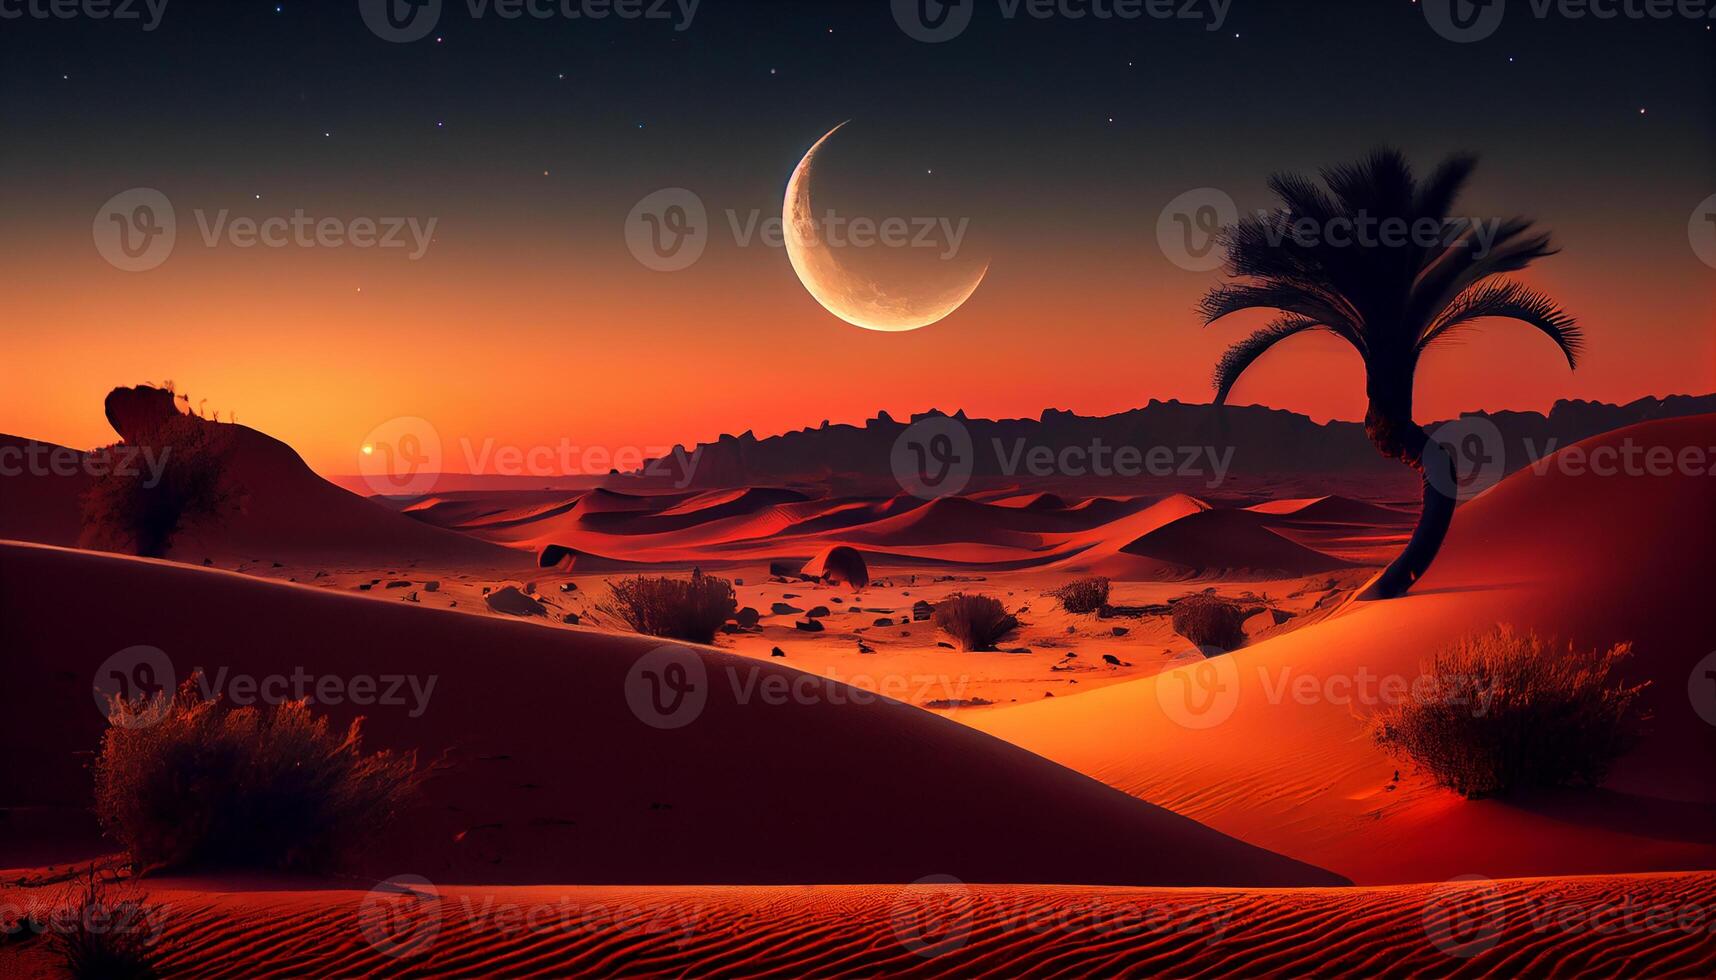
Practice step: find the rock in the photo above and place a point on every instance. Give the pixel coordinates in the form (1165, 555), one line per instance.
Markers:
(1121, 631)
(572, 618)
(817, 612)
(776, 652)
(738, 581)
(411, 596)
(921, 611)
(433, 586)
(365, 586)
(808, 625)
(783, 609)
(747, 617)
(399, 584)
(839, 564)
(864, 647)
(731, 628)
(515, 603)
(1111, 659)
(884, 621)
(569, 586)
(944, 643)
(785, 568)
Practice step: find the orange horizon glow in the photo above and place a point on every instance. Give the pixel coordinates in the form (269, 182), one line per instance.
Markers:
(526, 346)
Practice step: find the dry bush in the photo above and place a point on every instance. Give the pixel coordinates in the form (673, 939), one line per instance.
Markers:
(976, 621)
(184, 781)
(131, 508)
(1502, 711)
(1085, 595)
(678, 609)
(1213, 624)
(98, 932)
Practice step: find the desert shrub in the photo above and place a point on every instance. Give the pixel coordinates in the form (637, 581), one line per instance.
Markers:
(98, 932)
(1085, 595)
(1503, 711)
(1213, 624)
(133, 507)
(976, 621)
(184, 781)
(680, 609)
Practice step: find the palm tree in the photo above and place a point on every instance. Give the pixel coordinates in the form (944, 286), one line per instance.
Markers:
(1390, 296)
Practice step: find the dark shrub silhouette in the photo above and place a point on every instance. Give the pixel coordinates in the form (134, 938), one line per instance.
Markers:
(127, 508)
(1502, 711)
(184, 781)
(1391, 297)
(1214, 625)
(100, 932)
(1085, 595)
(976, 621)
(678, 609)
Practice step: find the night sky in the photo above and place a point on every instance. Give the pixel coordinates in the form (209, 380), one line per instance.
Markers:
(1061, 140)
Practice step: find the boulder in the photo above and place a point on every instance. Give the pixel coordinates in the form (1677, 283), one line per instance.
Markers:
(839, 564)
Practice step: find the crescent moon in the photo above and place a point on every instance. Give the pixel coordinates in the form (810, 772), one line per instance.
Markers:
(849, 295)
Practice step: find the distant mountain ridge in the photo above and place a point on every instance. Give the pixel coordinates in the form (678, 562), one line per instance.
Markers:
(1253, 440)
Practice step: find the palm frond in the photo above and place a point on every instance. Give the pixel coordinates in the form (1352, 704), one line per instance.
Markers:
(1242, 354)
(1510, 300)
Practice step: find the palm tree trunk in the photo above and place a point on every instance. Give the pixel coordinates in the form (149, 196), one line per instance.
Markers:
(1390, 427)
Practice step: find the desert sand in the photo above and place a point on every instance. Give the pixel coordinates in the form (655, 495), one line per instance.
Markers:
(1093, 773)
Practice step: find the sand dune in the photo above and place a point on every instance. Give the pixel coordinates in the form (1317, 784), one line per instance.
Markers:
(1333, 509)
(1237, 743)
(1580, 927)
(43, 505)
(282, 510)
(549, 764)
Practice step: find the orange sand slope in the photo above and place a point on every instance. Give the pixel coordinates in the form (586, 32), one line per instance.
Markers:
(1270, 743)
(1645, 925)
(549, 762)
